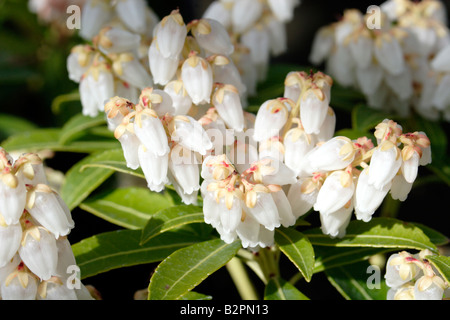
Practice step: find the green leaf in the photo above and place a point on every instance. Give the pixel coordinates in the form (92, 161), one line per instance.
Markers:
(358, 281)
(332, 257)
(365, 118)
(127, 207)
(10, 125)
(442, 263)
(81, 181)
(377, 233)
(118, 165)
(297, 248)
(170, 218)
(186, 268)
(118, 249)
(76, 126)
(195, 296)
(279, 289)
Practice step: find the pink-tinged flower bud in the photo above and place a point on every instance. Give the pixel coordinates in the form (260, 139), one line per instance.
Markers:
(181, 101)
(335, 154)
(367, 197)
(154, 167)
(10, 237)
(163, 69)
(384, 164)
(95, 14)
(220, 11)
(150, 131)
(335, 223)
(197, 77)
(190, 134)
(389, 54)
(216, 167)
(133, 14)
(399, 271)
(227, 102)
(12, 196)
(185, 169)
(270, 119)
(55, 289)
(39, 252)
(117, 40)
(283, 9)
(336, 191)
(47, 207)
(19, 284)
(245, 13)
(212, 36)
(171, 34)
(400, 188)
(127, 67)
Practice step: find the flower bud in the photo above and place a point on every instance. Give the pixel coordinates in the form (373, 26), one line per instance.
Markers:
(171, 34)
(270, 119)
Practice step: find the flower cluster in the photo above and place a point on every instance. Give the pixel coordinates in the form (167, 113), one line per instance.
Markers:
(35, 255)
(396, 56)
(413, 277)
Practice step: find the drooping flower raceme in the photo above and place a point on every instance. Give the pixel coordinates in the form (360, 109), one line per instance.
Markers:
(412, 277)
(35, 255)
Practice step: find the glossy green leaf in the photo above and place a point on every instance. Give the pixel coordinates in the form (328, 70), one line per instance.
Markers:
(77, 125)
(11, 125)
(118, 249)
(118, 165)
(130, 208)
(359, 281)
(377, 233)
(279, 289)
(442, 263)
(297, 248)
(186, 268)
(170, 218)
(365, 118)
(81, 181)
(196, 296)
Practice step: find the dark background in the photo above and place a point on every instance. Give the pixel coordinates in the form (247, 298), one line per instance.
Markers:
(35, 74)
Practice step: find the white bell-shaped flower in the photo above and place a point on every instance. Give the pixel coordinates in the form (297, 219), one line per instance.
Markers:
(361, 48)
(186, 198)
(20, 284)
(225, 71)
(55, 289)
(87, 98)
(410, 167)
(10, 237)
(441, 61)
(218, 10)
(398, 271)
(283, 9)
(301, 199)
(163, 69)
(313, 110)
(211, 209)
(335, 223)
(384, 164)
(128, 68)
(46, 207)
(322, 45)
(287, 218)
(190, 134)
(265, 211)
(101, 84)
(245, 13)
(274, 171)
(248, 232)
(181, 101)
(429, 288)
(227, 102)
(212, 36)
(400, 188)
(327, 130)
(369, 78)
(257, 39)
(133, 14)
(95, 14)
(367, 197)
(197, 77)
(12, 196)
(161, 101)
(389, 54)
(130, 144)
(150, 131)
(277, 35)
(39, 252)
(335, 154)
(270, 119)
(185, 169)
(66, 258)
(154, 167)
(230, 216)
(117, 40)
(297, 143)
(171, 34)
(335, 192)
(78, 61)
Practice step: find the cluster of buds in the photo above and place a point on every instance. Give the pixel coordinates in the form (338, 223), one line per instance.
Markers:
(396, 55)
(413, 277)
(164, 145)
(36, 259)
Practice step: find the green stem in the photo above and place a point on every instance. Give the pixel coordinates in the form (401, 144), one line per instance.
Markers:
(240, 278)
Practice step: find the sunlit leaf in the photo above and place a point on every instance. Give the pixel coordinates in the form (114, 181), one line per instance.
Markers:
(279, 289)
